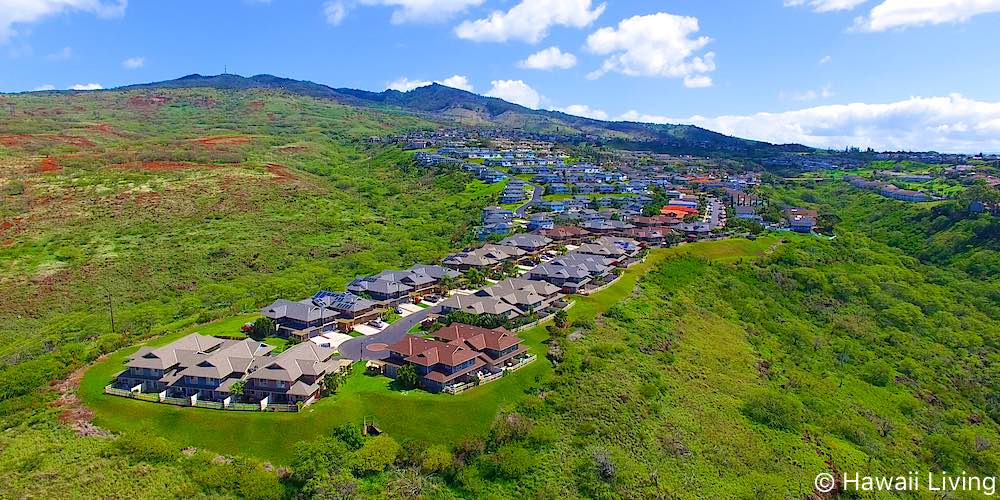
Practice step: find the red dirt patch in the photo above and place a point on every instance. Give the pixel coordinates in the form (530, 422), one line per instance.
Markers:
(223, 140)
(74, 415)
(16, 140)
(148, 103)
(280, 172)
(255, 105)
(48, 165)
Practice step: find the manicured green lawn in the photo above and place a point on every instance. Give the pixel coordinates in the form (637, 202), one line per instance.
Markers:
(432, 418)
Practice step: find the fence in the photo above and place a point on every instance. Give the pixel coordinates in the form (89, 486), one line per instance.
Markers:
(211, 405)
(460, 388)
(542, 320)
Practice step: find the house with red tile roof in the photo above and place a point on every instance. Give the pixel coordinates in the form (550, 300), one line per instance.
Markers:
(455, 354)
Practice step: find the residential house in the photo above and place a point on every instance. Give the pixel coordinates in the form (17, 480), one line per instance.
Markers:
(193, 365)
(457, 353)
(478, 305)
(540, 222)
(531, 244)
(212, 377)
(570, 278)
(525, 295)
(296, 375)
(565, 235)
(557, 188)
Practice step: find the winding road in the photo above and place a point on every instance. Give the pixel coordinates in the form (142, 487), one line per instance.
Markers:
(536, 197)
(358, 347)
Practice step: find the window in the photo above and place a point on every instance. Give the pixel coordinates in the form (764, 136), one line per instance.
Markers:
(281, 384)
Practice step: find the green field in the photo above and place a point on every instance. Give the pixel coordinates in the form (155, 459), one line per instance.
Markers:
(417, 415)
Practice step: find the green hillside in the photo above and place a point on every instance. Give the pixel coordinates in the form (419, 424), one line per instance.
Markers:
(726, 369)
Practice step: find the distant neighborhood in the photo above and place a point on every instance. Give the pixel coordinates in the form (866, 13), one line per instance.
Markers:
(561, 228)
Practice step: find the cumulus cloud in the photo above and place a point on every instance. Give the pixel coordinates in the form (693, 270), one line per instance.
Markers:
(825, 5)
(16, 12)
(134, 63)
(61, 55)
(951, 123)
(658, 44)
(335, 12)
(47, 86)
(549, 58)
(404, 11)
(530, 20)
(404, 84)
(584, 111)
(824, 92)
(515, 91)
(903, 13)
(457, 82)
(87, 86)
(697, 81)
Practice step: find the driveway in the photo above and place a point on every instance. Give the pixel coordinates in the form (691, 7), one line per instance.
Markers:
(357, 347)
(536, 196)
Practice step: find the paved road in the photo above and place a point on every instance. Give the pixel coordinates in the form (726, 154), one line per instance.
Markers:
(357, 348)
(717, 207)
(536, 197)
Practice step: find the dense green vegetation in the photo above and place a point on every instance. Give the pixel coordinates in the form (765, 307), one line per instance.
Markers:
(728, 369)
(294, 203)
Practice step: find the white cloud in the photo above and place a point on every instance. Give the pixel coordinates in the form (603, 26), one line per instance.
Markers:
(903, 13)
(457, 82)
(405, 11)
(825, 5)
(404, 84)
(515, 91)
(584, 111)
(659, 44)
(824, 92)
(824, 60)
(87, 86)
(530, 20)
(549, 58)
(16, 12)
(61, 55)
(47, 86)
(134, 63)
(697, 81)
(424, 10)
(951, 123)
(335, 12)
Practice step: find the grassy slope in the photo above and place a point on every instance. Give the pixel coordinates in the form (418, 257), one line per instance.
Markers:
(662, 381)
(417, 415)
(176, 247)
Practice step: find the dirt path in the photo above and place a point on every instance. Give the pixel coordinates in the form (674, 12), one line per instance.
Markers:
(74, 414)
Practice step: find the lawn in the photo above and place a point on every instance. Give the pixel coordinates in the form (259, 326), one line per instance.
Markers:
(433, 418)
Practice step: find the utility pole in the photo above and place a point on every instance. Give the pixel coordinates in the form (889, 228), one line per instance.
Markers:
(111, 309)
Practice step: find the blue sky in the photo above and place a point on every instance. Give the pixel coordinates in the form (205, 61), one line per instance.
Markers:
(881, 73)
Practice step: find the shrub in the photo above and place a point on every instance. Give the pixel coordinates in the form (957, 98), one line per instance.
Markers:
(350, 435)
(512, 462)
(318, 458)
(262, 328)
(774, 409)
(878, 373)
(375, 455)
(407, 376)
(436, 459)
(508, 428)
(143, 448)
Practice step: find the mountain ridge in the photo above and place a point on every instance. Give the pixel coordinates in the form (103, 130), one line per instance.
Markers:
(470, 109)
